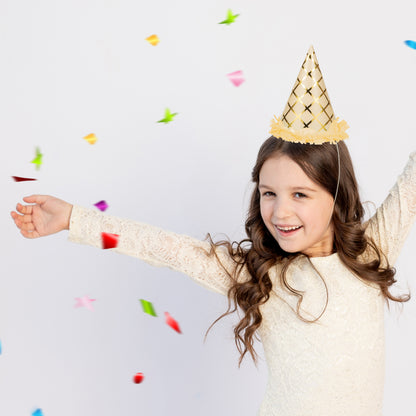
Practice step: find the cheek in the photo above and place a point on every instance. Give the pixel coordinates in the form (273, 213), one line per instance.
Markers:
(265, 211)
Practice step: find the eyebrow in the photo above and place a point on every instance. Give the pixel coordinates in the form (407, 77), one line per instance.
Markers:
(294, 188)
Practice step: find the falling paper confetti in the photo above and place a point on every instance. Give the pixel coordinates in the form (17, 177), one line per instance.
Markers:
(101, 205)
(91, 138)
(20, 179)
(138, 378)
(410, 43)
(38, 159)
(153, 40)
(37, 412)
(109, 240)
(85, 301)
(236, 77)
(230, 18)
(148, 307)
(172, 323)
(168, 116)
(0, 348)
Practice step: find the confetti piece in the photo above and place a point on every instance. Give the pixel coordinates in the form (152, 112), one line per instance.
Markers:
(410, 43)
(0, 348)
(153, 40)
(148, 307)
(236, 77)
(230, 18)
(168, 116)
(20, 179)
(37, 412)
(101, 205)
(38, 159)
(85, 301)
(138, 378)
(109, 240)
(91, 138)
(172, 323)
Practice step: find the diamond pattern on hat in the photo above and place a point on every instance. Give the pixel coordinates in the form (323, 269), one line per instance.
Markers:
(308, 105)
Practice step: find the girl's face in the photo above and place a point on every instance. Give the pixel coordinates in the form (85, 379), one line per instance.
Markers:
(289, 198)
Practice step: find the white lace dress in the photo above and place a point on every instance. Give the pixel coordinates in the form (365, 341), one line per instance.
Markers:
(334, 367)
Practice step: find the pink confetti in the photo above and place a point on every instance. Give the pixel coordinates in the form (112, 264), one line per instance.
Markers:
(172, 323)
(236, 78)
(85, 301)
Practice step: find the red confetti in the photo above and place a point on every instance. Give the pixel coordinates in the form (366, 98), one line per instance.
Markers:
(20, 179)
(138, 378)
(172, 323)
(109, 240)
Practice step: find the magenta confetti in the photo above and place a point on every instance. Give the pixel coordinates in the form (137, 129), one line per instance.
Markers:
(102, 205)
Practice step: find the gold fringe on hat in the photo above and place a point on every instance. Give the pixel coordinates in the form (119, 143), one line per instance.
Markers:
(308, 116)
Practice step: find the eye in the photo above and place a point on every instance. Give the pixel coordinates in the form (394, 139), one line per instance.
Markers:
(268, 193)
(301, 195)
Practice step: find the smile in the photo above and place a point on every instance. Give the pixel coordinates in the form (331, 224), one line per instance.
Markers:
(289, 232)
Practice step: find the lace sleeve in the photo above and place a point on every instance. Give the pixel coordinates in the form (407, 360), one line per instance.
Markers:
(393, 219)
(155, 246)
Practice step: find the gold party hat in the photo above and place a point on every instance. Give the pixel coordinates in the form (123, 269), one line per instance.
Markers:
(308, 116)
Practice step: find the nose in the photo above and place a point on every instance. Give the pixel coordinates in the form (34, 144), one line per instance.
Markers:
(282, 209)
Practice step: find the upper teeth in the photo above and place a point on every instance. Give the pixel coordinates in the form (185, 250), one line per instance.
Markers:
(288, 228)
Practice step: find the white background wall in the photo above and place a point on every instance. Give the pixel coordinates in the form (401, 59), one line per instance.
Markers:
(78, 67)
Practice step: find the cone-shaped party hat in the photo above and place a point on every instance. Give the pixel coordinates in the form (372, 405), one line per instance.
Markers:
(308, 116)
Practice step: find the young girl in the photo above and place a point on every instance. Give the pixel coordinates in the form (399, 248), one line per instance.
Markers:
(311, 278)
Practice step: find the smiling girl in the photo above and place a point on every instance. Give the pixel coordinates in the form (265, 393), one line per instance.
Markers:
(311, 278)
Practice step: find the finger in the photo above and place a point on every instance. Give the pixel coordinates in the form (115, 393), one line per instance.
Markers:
(18, 222)
(27, 226)
(24, 209)
(27, 218)
(28, 234)
(14, 214)
(35, 199)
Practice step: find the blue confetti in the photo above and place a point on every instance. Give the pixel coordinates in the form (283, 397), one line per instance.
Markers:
(37, 412)
(0, 347)
(410, 43)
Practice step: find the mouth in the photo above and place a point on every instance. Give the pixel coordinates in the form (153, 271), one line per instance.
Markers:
(288, 233)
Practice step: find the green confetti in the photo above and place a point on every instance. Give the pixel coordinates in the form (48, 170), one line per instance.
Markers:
(230, 18)
(38, 159)
(168, 116)
(148, 307)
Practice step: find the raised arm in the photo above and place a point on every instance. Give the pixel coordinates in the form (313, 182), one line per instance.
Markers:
(391, 224)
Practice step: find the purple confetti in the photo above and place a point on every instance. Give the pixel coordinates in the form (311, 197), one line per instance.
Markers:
(102, 205)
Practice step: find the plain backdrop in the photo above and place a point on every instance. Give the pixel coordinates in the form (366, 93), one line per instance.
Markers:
(71, 68)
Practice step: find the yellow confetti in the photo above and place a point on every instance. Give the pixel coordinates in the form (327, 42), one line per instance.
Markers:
(91, 138)
(153, 40)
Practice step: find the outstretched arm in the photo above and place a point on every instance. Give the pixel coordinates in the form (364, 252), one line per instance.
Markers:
(151, 244)
(391, 224)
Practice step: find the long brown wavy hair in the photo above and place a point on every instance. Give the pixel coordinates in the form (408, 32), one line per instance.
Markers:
(260, 251)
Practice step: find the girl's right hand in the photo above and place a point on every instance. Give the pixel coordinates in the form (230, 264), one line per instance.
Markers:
(47, 215)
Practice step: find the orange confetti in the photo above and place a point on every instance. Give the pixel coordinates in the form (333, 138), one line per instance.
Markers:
(153, 40)
(91, 138)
